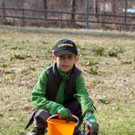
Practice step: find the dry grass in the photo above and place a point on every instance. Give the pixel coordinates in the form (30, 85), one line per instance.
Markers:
(109, 79)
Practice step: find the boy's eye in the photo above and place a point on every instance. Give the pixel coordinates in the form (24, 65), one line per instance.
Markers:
(69, 57)
(61, 56)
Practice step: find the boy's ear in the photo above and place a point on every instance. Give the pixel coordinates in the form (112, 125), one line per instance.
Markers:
(77, 58)
(54, 58)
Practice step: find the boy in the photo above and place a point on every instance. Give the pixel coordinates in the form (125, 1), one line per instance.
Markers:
(61, 89)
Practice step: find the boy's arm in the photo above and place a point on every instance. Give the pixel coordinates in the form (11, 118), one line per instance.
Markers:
(86, 104)
(38, 96)
(83, 96)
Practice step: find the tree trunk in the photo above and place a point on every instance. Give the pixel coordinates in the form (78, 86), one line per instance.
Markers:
(73, 10)
(96, 6)
(114, 6)
(3, 10)
(125, 11)
(45, 7)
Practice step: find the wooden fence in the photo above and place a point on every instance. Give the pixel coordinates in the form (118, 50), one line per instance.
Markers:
(46, 18)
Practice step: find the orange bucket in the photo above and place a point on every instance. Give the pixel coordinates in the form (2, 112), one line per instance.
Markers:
(61, 127)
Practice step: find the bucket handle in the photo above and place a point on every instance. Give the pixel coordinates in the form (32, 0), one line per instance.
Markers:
(56, 115)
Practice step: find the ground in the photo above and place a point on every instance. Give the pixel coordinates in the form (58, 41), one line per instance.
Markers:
(106, 58)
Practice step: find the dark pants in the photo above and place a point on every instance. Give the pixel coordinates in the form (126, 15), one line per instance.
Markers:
(42, 115)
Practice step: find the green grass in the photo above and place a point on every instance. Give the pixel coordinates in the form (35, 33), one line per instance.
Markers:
(110, 78)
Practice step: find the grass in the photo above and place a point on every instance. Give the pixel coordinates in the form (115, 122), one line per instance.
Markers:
(110, 78)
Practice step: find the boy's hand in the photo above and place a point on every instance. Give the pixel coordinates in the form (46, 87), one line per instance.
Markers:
(64, 113)
(91, 123)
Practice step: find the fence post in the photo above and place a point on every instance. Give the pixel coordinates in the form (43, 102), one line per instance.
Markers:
(23, 17)
(87, 14)
(134, 53)
(61, 21)
(102, 21)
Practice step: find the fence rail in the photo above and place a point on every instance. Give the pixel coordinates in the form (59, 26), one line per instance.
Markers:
(24, 15)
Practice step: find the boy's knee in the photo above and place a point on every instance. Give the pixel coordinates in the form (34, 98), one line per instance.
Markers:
(39, 121)
(40, 118)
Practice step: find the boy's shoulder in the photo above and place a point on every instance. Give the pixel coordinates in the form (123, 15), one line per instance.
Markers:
(48, 68)
(75, 71)
(51, 72)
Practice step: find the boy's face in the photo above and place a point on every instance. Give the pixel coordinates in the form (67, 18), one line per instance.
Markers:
(65, 62)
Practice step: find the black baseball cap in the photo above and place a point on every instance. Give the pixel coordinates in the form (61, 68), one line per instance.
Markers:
(65, 46)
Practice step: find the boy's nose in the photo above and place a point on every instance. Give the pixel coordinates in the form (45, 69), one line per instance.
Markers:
(65, 59)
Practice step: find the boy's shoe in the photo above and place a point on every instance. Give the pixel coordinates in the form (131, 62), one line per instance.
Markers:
(37, 131)
(32, 132)
(78, 132)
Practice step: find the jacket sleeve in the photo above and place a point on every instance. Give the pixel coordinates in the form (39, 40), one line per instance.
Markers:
(38, 96)
(82, 96)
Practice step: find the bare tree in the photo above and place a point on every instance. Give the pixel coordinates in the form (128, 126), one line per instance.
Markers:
(95, 2)
(3, 11)
(45, 7)
(114, 6)
(126, 4)
(73, 3)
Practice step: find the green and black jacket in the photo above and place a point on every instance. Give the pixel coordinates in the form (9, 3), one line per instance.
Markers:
(54, 89)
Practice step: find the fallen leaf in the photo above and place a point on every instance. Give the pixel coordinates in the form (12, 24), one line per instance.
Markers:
(1, 98)
(20, 84)
(27, 108)
(1, 115)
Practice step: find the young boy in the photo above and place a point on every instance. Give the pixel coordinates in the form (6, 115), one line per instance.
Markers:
(61, 89)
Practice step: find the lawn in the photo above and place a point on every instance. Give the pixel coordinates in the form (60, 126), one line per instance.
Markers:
(106, 58)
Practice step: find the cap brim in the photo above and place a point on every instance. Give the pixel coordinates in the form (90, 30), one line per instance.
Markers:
(59, 53)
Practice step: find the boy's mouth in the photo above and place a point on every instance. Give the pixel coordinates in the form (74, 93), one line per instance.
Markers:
(65, 66)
